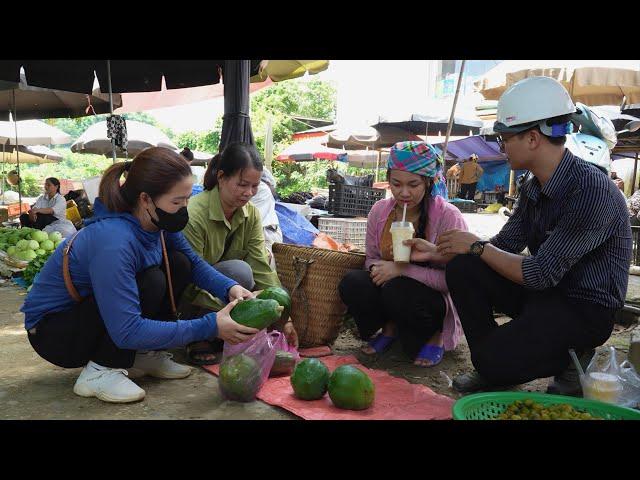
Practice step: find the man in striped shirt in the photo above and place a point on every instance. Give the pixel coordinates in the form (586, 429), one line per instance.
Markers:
(574, 221)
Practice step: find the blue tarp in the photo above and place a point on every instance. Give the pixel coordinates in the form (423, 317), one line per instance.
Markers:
(196, 189)
(463, 148)
(295, 228)
(495, 174)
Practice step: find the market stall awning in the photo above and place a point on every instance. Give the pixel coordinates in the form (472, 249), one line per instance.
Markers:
(592, 82)
(142, 101)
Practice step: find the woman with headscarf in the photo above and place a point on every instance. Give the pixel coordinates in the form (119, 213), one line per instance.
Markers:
(407, 301)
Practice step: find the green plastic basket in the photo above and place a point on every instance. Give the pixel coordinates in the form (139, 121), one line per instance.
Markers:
(488, 405)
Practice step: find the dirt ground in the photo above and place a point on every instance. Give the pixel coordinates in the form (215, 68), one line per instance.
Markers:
(31, 388)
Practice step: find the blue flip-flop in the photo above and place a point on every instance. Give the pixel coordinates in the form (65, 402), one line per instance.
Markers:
(381, 344)
(433, 353)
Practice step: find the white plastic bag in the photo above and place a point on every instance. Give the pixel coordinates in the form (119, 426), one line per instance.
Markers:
(630, 385)
(601, 381)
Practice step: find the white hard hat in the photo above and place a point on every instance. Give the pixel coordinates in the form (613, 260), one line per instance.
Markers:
(530, 102)
(591, 149)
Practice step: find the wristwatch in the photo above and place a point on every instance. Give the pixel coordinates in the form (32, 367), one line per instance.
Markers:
(477, 248)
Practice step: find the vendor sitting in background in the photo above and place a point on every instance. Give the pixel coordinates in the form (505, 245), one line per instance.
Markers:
(225, 229)
(49, 207)
(409, 302)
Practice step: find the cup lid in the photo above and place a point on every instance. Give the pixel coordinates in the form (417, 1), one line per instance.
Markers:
(402, 225)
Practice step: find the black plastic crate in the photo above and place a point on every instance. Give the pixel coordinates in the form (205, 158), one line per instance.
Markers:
(465, 206)
(352, 200)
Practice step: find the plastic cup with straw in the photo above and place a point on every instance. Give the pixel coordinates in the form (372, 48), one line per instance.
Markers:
(401, 231)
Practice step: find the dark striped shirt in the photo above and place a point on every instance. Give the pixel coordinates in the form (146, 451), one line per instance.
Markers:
(577, 230)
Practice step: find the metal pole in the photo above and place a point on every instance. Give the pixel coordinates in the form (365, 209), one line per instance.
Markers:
(453, 111)
(633, 179)
(113, 145)
(512, 183)
(15, 125)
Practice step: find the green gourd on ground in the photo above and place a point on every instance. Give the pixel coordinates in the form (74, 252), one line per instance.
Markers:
(281, 296)
(256, 313)
(240, 378)
(350, 388)
(309, 379)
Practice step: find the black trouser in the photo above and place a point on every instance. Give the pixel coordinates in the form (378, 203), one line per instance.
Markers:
(417, 310)
(72, 338)
(544, 325)
(42, 220)
(468, 190)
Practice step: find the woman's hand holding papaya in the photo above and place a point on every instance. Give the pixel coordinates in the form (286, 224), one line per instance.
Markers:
(229, 330)
(238, 292)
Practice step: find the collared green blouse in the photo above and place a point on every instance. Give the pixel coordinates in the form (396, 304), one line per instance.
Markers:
(216, 239)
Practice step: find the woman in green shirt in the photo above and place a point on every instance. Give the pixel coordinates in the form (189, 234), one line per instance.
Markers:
(225, 229)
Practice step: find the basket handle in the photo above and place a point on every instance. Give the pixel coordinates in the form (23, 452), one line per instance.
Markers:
(300, 266)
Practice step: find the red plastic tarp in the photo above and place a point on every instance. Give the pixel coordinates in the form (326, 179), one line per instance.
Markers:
(395, 399)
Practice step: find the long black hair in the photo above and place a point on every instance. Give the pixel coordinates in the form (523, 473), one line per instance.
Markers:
(235, 157)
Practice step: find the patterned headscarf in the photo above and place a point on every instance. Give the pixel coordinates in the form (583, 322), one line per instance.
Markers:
(422, 159)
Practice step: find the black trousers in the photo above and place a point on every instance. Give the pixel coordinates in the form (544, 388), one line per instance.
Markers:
(417, 310)
(72, 338)
(544, 325)
(468, 190)
(42, 220)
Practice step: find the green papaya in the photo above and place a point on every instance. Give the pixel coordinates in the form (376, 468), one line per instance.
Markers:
(281, 296)
(256, 313)
(350, 388)
(240, 378)
(309, 379)
(284, 364)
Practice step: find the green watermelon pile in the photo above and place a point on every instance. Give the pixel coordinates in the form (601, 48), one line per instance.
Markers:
(27, 244)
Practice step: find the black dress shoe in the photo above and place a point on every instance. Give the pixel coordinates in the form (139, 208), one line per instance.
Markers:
(470, 382)
(568, 382)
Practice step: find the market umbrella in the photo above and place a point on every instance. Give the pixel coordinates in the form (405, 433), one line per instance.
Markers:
(592, 82)
(36, 154)
(139, 135)
(31, 132)
(309, 150)
(236, 124)
(434, 123)
(279, 70)
(35, 102)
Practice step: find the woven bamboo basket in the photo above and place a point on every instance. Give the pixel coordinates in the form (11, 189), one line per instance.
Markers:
(312, 276)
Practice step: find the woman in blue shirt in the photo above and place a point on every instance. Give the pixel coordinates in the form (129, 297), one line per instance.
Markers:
(114, 313)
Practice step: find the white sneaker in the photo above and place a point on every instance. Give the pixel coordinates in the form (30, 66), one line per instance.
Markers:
(159, 365)
(107, 384)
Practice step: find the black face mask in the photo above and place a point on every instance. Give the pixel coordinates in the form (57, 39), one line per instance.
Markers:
(171, 222)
